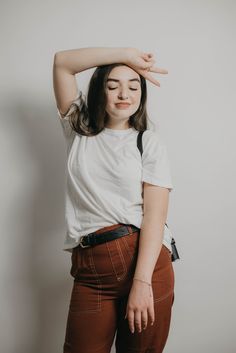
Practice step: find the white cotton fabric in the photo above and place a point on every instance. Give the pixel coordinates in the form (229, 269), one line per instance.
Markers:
(105, 175)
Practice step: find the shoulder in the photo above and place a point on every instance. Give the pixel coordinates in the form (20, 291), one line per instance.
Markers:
(152, 137)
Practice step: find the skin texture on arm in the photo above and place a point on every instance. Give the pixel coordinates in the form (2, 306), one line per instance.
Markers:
(156, 201)
(140, 303)
(77, 60)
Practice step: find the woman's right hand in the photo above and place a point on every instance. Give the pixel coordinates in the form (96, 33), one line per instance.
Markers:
(143, 64)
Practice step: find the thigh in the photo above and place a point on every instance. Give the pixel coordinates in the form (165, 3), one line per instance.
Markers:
(88, 332)
(91, 321)
(154, 338)
(163, 279)
(151, 340)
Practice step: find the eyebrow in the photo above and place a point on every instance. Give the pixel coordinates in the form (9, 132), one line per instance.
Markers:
(115, 80)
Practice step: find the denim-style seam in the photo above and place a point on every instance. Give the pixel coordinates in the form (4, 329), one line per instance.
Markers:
(163, 296)
(128, 248)
(91, 261)
(122, 259)
(112, 262)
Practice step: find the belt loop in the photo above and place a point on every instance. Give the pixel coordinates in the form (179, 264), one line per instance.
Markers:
(129, 229)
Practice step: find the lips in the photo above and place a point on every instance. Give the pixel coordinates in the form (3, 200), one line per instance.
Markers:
(122, 105)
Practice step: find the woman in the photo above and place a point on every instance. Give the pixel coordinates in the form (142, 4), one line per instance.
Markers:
(116, 204)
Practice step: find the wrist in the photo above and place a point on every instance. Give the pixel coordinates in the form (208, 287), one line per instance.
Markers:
(142, 280)
(126, 53)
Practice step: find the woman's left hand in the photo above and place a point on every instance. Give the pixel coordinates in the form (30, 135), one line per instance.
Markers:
(140, 306)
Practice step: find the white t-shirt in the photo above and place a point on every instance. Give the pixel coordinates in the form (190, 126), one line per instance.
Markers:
(104, 178)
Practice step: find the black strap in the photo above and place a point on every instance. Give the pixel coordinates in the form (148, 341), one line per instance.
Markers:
(139, 142)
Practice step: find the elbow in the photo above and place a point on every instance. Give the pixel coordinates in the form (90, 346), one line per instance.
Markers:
(57, 59)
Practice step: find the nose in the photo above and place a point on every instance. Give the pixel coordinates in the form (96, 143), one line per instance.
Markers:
(123, 94)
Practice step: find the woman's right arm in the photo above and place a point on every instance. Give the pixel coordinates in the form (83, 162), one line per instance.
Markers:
(68, 63)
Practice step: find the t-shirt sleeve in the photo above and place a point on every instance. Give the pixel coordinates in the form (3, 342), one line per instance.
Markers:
(155, 161)
(75, 108)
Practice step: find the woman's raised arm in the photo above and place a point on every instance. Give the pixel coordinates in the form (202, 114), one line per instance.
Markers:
(68, 63)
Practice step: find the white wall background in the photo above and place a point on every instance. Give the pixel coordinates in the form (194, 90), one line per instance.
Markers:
(195, 111)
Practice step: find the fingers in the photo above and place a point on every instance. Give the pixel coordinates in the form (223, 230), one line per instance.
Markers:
(144, 319)
(147, 74)
(131, 320)
(151, 314)
(138, 320)
(148, 68)
(148, 64)
(149, 57)
(158, 70)
(149, 77)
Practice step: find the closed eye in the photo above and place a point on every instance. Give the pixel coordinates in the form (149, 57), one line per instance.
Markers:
(132, 89)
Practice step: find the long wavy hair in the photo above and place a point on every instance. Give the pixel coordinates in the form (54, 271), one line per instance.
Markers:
(89, 117)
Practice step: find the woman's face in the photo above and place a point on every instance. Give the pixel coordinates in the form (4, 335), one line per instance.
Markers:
(123, 90)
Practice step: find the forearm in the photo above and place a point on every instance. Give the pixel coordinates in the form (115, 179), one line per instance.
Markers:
(150, 244)
(77, 60)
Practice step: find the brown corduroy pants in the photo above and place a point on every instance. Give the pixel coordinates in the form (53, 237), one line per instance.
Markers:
(102, 280)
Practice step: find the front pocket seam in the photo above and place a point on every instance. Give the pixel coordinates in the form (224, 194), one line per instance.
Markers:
(128, 249)
(122, 259)
(113, 265)
(98, 308)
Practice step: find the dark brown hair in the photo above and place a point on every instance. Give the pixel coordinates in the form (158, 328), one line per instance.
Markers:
(89, 118)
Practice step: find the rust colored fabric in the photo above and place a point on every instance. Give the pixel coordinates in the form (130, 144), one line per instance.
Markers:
(102, 277)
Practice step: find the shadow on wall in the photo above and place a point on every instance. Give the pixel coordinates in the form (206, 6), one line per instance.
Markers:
(36, 283)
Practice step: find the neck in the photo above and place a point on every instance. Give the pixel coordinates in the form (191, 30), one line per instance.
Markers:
(117, 126)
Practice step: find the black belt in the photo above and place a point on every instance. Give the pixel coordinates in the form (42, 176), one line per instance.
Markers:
(93, 239)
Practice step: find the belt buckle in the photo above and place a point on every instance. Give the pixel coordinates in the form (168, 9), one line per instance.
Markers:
(80, 243)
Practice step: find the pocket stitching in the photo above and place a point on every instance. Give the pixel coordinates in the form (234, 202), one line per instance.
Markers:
(128, 248)
(122, 259)
(113, 265)
(98, 308)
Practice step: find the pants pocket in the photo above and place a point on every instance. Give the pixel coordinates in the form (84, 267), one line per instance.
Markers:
(131, 243)
(117, 258)
(84, 298)
(86, 291)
